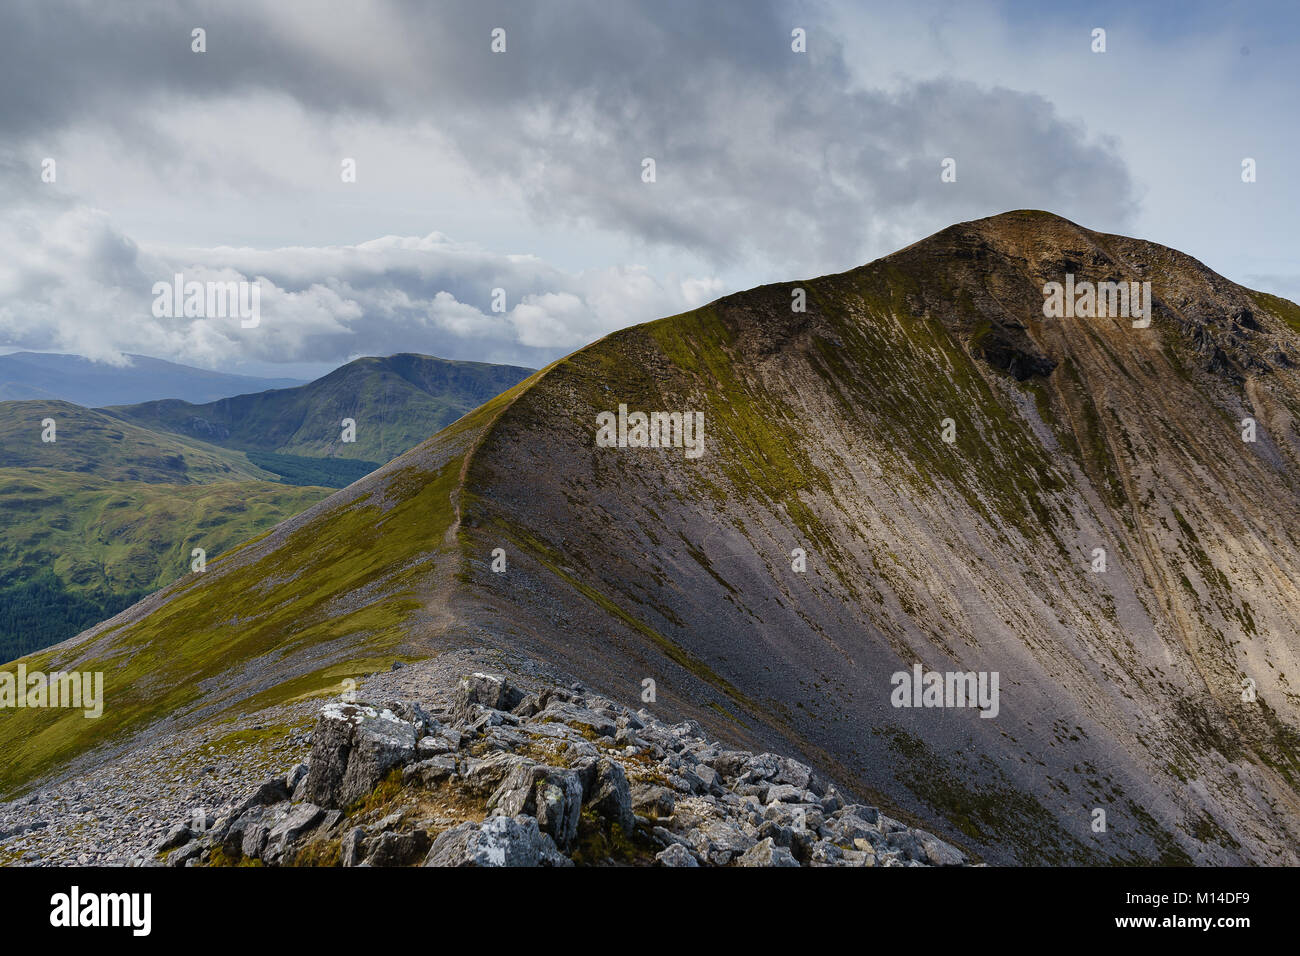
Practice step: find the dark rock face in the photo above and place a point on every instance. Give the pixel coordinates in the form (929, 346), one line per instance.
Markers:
(571, 779)
(1008, 348)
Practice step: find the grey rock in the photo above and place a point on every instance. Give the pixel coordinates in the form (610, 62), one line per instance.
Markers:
(551, 794)
(431, 771)
(652, 800)
(397, 849)
(719, 842)
(939, 852)
(176, 836)
(498, 841)
(427, 747)
(824, 853)
(732, 764)
(675, 855)
(300, 820)
(549, 854)
(767, 853)
(573, 715)
(611, 797)
(353, 749)
(353, 847)
(484, 775)
(190, 851)
(484, 690)
(266, 793)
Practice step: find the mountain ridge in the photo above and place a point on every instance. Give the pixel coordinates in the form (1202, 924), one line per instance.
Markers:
(1119, 689)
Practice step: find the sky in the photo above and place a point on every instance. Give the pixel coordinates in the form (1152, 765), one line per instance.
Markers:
(128, 156)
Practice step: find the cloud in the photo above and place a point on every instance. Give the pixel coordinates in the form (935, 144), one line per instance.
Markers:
(761, 151)
(70, 281)
(770, 164)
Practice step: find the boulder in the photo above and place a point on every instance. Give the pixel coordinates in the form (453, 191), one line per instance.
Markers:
(485, 775)
(719, 842)
(266, 793)
(177, 836)
(589, 722)
(431, 771)
(353, 749)
(484, 690)
(610, 795)
(299, 820)
(767, 853)
(550, 794)
(675, 855)
(352, 848)
(939, 852)
(652, 800)
(396, 849)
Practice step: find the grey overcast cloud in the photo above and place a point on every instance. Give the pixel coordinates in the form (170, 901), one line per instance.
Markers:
(523, 172)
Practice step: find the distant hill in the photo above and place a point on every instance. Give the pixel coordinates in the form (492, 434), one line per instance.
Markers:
(95, 444)
(72, 378)
(76, 549)
(397, 402)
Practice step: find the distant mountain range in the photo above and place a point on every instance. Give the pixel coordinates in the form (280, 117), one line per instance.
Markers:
(920, 476)
(72, 378)
(112, 508)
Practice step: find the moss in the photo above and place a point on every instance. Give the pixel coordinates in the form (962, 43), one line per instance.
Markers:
(381, 798)
(600, 842)
(218, 857)
(320, 853)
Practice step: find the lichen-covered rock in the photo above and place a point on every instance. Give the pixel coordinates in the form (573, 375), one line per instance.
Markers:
(353, 748)
(497, 841)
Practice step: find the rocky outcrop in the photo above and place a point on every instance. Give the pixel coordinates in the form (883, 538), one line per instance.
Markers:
(553, 778)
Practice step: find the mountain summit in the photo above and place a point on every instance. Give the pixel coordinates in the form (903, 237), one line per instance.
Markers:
(919, 476)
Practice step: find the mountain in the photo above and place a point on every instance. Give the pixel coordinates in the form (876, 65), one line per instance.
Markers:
(1065, 505)
(396, 402)
(72, 378)
(90, 442)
